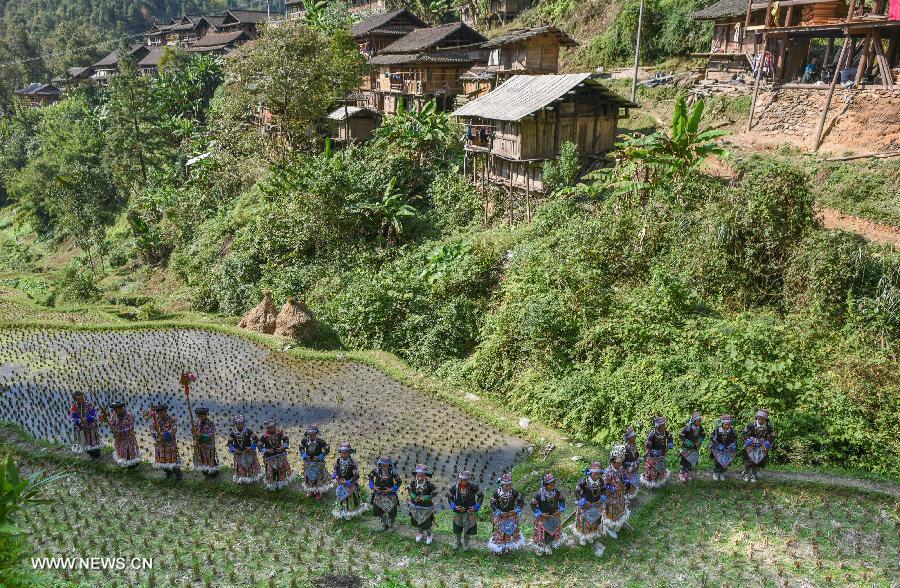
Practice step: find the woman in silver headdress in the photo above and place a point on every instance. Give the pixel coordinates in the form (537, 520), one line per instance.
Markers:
(242, 444)
(506, 505)
(616, 484)
(658, 443)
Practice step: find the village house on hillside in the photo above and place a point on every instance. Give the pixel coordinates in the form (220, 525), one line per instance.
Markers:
(182, 31)
(374, 34)
(380, 30)
(38, 94)
(109, 65)
(513, 130)
(788, 35)
(294, 9)
(425, 64)
(359, 6)
(520, 51)
(73, 75)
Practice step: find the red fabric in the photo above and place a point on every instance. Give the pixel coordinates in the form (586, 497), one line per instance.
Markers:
(895, 10)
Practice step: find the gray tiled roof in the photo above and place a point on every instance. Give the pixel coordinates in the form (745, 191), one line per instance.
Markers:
(517, 35)
(721, 9)
(384, 23)
(424, 39)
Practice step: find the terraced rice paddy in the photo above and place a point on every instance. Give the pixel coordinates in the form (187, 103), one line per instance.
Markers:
(40, 369)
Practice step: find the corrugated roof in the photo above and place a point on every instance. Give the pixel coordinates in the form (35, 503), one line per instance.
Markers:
(344, 112)
(423, 39)
(522, 95)
(722, 9)
(518, 35)
(383, 23)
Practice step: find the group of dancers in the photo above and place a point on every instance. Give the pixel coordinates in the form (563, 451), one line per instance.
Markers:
(603, 495)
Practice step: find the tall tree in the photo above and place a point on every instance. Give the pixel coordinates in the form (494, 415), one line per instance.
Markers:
(133, 139)
(285, 82)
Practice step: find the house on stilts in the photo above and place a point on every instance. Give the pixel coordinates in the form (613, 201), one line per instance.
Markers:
(511, 131)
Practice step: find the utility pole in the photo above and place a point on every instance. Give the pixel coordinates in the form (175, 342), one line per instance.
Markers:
(637, 51)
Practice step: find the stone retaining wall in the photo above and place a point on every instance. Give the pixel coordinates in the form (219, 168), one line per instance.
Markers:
(867, 119)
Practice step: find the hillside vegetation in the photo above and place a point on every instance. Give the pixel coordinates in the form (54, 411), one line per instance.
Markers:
(656, 288)
(39, 39)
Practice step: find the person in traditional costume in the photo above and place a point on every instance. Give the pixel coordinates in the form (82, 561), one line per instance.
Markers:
(121, 425)
(421, 503)
(313, 450)
(590, 494)
(164, 430)
(723, 447)
(758, 438)
(658, 443)
(616, 484)
(547, 505)
(384, 482)
(464, 498)
(692, 437)
(506, 505)
(204, 432)
(242, 444)
(346, 478)
(86, 425)
(632, 462)
(274, 445)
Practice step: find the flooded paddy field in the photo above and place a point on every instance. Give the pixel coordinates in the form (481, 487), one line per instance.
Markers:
(41, 368)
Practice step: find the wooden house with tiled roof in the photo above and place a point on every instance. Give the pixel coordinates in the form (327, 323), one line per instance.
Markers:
(294, 9)
(425, 64)
(109, 65)
(513, 130)
(38, 94)
(219, 43)
(520, 51)
(380, 30)
(243, 20)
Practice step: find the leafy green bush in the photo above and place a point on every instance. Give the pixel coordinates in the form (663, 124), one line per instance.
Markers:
(826, 270)
(16, 495)
(562, 171)
(77, 284)
(455, 204)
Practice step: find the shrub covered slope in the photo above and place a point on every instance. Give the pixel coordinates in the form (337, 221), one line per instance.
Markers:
(621, 299)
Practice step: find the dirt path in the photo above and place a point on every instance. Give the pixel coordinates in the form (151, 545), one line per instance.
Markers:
(843, 481)
(876, 232)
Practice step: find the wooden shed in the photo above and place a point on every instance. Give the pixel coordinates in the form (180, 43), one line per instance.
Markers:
(352, 123)
(525, 121)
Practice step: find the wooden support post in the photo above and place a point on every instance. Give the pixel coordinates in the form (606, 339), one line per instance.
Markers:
(845, 50)
(851, 10)
(887, 80)
(527, 193)
(789, 17)
(759, 70)
(511, 221)
(892, 50)
(863, 61)
(747, 20)
(779, 67)
(465, 160)
(829, 49)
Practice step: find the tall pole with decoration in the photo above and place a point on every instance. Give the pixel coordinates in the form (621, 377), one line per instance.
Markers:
(185, 380)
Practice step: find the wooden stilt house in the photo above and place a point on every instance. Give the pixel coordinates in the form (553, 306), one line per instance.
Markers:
(513, 130)
(424, 65)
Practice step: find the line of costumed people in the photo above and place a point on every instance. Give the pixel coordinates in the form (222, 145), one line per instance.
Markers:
(603, 495)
